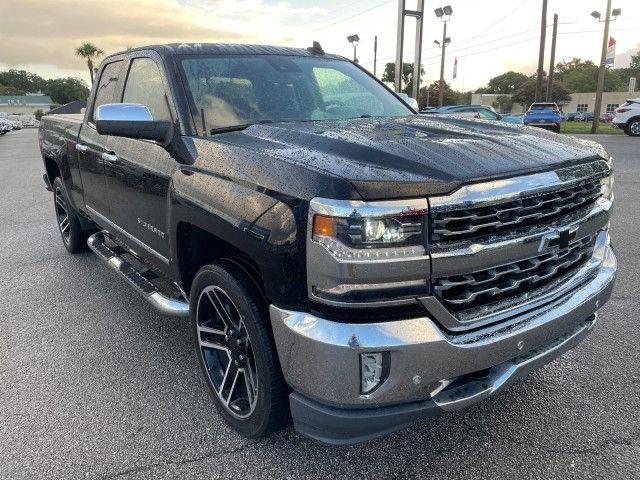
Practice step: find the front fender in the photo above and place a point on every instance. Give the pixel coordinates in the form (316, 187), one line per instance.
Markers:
(268, 228)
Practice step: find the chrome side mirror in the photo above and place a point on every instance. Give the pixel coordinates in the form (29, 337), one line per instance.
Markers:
(412, 102)
(130, 120)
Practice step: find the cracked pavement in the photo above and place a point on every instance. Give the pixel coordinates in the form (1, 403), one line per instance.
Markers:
(95, 384)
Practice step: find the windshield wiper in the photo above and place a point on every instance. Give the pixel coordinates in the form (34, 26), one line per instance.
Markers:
(236, 128)
(230, 128)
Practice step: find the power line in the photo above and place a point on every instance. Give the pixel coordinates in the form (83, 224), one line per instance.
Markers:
(471, 54)
(352, 16)
(463, 41)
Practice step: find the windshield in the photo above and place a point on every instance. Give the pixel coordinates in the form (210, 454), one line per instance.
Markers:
(543, 106)
(230, 91)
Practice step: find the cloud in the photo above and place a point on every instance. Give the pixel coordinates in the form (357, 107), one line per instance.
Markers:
(44, 32)
(624, 59)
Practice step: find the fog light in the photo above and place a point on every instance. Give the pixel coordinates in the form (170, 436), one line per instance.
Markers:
(370, 371)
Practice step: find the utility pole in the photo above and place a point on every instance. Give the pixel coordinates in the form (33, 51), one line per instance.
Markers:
(543, 34)
(375, 54)
(553, 57)
(399, 46)
(419, 16)
(443, 46)
(603, 60)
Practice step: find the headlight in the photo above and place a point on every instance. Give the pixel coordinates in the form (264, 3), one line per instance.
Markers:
(606, 187)
(368, 230)
(360, 253)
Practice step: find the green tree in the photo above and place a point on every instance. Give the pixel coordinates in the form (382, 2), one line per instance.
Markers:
(635, 61)
(429, 95)
(526, 93)
(9, 90)
(389, 75)
(503, 102)
(65, 90)
(38, 114)
(506, 83)
(22, 81)
(89, 52)
(582, 76)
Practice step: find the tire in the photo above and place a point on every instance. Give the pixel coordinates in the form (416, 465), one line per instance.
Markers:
(556, 129)
(633, 128)
(242, 330)
(73, 237)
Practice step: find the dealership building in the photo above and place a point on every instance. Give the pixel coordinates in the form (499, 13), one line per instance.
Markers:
(580, 102)
(25, 104)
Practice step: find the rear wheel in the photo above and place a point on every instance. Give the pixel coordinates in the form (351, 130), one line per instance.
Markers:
(633, 128)
(73, 237)
(236, 352)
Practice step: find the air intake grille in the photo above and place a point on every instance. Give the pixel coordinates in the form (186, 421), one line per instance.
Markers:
(483, 287)
(463, 224)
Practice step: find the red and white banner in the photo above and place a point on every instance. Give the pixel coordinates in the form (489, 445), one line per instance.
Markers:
(455, 68)
(611, 51)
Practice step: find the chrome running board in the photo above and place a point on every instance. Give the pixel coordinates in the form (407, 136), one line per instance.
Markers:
(163, 303)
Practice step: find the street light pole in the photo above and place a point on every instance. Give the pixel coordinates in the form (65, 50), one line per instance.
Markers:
(354, 40)
(444, 14)
(603, 59)
(443, 47)
(375, 54)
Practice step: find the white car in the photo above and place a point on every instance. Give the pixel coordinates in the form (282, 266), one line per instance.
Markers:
(5, 126)
(628, 117)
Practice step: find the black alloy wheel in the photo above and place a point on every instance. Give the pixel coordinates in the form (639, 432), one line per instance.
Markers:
(235, 349)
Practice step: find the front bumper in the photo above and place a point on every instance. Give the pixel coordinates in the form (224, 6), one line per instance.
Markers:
(430, 370)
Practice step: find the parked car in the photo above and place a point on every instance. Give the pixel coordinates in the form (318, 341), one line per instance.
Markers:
(628, 117)
(545, 115)
(571, 117)
(484, 112)
(357, 267)
(584, 117)
(5, 126)
(517, 119)
(606, 117)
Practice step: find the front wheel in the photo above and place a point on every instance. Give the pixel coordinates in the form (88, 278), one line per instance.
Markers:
(633, 128)
(236, 352)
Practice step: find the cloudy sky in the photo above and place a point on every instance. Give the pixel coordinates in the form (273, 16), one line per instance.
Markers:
(488, 36)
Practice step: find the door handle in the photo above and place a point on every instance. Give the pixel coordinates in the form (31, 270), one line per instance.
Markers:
(110, 157)
(81, 148)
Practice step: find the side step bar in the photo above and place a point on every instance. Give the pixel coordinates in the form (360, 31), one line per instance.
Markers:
(164, 304)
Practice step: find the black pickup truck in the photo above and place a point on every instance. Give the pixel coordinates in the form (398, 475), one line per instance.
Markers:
(345, 262)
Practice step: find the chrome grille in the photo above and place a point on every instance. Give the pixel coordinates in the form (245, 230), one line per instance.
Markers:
(466, 223)
(484, 287)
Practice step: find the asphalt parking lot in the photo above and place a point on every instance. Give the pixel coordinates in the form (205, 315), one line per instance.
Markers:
(95, 384)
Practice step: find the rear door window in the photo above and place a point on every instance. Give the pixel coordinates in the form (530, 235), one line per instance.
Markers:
(106, 87)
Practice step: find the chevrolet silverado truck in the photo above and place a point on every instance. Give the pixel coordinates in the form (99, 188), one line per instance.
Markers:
(346, 264)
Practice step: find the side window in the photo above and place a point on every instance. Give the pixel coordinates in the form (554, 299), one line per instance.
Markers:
(487, 114)
(144, 85)
(106, 86)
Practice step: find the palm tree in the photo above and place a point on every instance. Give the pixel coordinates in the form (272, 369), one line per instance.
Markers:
(90, 52)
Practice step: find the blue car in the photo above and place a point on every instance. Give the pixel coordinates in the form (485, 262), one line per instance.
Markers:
(481, 111)
(545, 115)
(513, 119)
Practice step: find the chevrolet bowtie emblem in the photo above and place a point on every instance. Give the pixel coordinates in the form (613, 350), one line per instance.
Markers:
(559, 237)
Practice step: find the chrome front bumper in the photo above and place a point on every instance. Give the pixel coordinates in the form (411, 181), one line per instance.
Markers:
(320, 358)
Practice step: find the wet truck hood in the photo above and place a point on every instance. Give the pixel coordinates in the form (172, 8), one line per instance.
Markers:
(413, 156)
